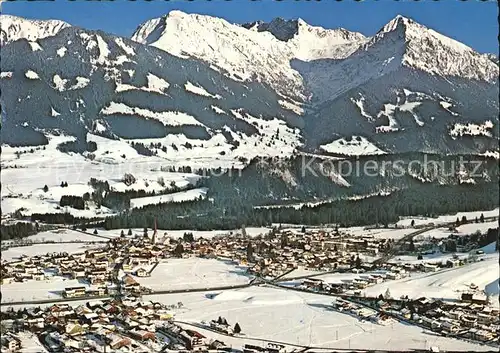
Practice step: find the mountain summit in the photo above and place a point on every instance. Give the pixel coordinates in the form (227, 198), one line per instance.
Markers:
(226, 93)
(13, 28)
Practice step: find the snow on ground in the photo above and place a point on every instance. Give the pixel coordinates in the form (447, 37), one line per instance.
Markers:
(111, 150)
(360, 104)
(339, 278)
(54, 112)
(194, 273)
(32, 75)
(30, 343)
(35, 46)
(446, 284)
(59, 83)
(464, 229)
(188, 195)
(471, 129)
(60, 235)
(181, 180)
(217, 109)
(6, 74)
(301, 318)
(206, 234)
(388, 112)
(357, 145)
(127, 49)
(379, 233)
(22, 185)
(157, 83)
(52, 287)
(81, 82)
(406, 221)
(42, 249)
(301, 272)
(103, 50)
(294, 107)
(168, 118)
(446, 106)
(61, 51)
(196, 89)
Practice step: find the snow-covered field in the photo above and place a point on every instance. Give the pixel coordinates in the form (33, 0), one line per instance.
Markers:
(188, 195)
(448, 283)
(60, 235)
(462, 230)
(194, 273)
(37, 290)
(22, 187)
(357, 145)
(406, 222)
(42, 249)
(301, 318)
(380, 233)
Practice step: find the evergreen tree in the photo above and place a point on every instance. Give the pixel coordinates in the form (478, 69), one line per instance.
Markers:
(188, 237)
(237, 328)
(45, 188)
(412, 223)
(129, 232)
(481, 218)
(95, 231)
(122, 233)
(179, 250)
(358, 262)
(249, 252)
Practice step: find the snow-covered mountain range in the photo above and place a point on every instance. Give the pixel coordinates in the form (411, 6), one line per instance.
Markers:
(190, 87)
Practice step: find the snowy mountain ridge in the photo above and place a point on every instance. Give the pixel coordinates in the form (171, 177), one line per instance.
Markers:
(193, 86)
(430, 51)
(13, 28)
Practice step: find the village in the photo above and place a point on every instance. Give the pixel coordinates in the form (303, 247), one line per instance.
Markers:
(115, 317)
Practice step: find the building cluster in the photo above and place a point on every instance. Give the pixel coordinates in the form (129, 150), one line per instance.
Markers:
(469, 318)
(113, 267)
(126, 325)
(355, 283)
(316, 250)
(361, 312)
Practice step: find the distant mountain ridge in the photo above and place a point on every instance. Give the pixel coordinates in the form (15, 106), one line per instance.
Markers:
(231, 92)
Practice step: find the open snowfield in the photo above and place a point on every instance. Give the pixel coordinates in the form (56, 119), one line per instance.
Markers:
(406, 221)
(300, 318)
(37, 290)
(379, 233)
(194, 273)
(42, 249)
(188, 195)
(22, 186)
(448, 283)
(464, 229)
(60, 235)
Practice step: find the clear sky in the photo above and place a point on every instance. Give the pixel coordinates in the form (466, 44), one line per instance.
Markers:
(473, 22)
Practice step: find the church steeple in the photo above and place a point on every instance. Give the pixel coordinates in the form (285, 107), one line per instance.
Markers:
(154, 234)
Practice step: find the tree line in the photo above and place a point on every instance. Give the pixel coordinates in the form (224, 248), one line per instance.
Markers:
(425, 200)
